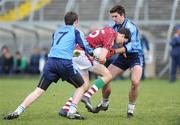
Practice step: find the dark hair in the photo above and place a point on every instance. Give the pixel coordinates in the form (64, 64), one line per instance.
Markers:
(18, 53)
(126, 32)
(4, 47)
(119, 9)
(70, 18)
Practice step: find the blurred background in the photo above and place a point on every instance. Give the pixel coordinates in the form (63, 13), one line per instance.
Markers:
(26, 27)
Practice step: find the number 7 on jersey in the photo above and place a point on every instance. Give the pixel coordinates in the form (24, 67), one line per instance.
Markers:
(59, 37)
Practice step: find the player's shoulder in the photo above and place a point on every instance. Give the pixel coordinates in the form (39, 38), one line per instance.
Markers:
(131, 25)
(78, 31)
(65, 29)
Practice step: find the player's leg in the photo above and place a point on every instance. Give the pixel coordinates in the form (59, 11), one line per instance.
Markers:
(101, 70)
(106, 76)
(136, 73)
(78, 82)
(106, 91)
(33, 96)
(63, 111)
(81, 63)
(67, 72)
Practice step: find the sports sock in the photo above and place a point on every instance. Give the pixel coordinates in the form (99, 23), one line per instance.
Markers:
(105, 102)
(131, 108)
(72, 108)
(20, 109)
(97, 84)
(67, 104)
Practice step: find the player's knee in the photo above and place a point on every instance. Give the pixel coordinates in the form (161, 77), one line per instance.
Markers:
(38, 91)
(135, 83)
(86, 86)
(108, 76)
(83, 87)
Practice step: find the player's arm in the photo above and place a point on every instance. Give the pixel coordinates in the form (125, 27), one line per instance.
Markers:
(120, 50)
(127, 47)
(82, 42)
(102, 58)
(134, 35)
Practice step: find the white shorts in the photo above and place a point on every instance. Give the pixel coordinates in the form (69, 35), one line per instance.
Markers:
(83, 64)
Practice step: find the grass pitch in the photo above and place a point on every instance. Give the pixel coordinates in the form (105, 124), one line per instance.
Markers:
(158, 104)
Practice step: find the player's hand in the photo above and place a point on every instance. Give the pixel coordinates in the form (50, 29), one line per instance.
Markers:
(124, 54)
(100, 60)
(96, 57)
(110, 53)
(76, 53)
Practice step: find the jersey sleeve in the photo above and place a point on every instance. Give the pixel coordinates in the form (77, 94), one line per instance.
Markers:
(81, 41)
(133, 39)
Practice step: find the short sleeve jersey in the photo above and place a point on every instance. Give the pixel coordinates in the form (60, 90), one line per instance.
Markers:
(102, 38)
(134, 45)
(64, 41)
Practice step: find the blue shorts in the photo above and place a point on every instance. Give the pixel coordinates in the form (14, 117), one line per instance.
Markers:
(57, 68)
(130, 61)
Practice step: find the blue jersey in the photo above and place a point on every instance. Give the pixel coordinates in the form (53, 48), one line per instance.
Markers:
(64, 41)
(175, 43)
(134, 45)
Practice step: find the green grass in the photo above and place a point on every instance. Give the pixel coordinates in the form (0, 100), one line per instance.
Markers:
(158, 104)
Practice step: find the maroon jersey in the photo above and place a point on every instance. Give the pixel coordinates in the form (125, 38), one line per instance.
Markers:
(102, 38)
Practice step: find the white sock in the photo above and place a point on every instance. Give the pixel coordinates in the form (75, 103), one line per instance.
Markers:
(20, 109)
(72, 108)
(105, 102)
(131, 108)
